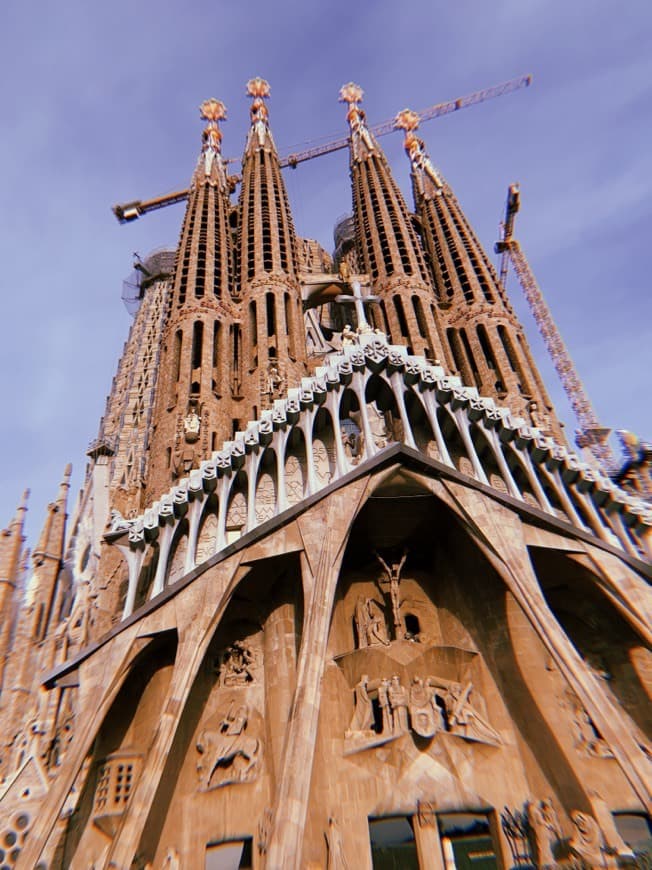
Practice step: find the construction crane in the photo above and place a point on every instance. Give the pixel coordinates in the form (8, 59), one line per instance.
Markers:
(590, 433)
(131, 211)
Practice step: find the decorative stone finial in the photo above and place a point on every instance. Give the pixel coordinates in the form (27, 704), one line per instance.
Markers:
(211, 164)
(407, 120)
(213, 110)
(351, 93)
(361, 142)
(258, 88)
(428, 178)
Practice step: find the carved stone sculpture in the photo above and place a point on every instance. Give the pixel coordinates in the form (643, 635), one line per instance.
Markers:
(228, 755)
(363, 716)
(613, 842)
(398, 699)
(370, 623)
(393, 572)
(387, 718)
(587, 737)
(191, 426)
(462, 718)
(587, 840)
(425, 716)
(336, 857)
(264, 830)
(117, 522)
(545, 831)
(274, 382)
(236, 665)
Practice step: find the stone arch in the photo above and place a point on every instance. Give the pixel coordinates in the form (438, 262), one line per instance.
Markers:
(176, 566)
(207, 536)
(547, 485)
(296, 466)
(382, 411)
(236, 511)
(487, 458)
(233, 723)
(116, 758)
(266, 486)
(421, 426)
(323, 447)
(451, 434)
(470, 631)
(349, 420)
(147, 574)
(624, 663)
(517, 468)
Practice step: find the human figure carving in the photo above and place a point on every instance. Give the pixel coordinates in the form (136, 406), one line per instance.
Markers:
(398, 698)
(221, 748)
(349, 337)
(425, 716)
(587, 840)
(394, 579)
(363, 715)
(385, 707)
(191, 426)
(545, 831)
(370, 623)
(237, 664)
(462, 718)
(274, 380)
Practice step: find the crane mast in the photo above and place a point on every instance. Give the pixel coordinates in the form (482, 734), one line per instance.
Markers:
(590, 433)
(131, 211)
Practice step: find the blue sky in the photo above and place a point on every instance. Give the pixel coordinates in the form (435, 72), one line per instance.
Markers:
(99, 105)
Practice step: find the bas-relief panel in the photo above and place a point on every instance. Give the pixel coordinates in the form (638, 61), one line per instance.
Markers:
(324, 461)
(236, 515)
(177, 561)
(207, 540)
(294, 479)
(221, 788)
(265, 497)
(404, 695)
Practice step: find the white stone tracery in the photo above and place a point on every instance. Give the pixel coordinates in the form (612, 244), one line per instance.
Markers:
(284, 457)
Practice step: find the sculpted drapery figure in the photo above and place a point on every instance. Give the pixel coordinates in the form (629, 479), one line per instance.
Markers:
(370, 623)
(587, 840)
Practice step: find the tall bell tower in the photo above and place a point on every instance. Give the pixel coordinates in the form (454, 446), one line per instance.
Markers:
(197, 368)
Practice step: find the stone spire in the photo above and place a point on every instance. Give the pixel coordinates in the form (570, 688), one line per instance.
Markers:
(204, 255)
(11, 546)
(484, 341)
(195, 366)
(43, 595)
(272, 346)
(389, 248)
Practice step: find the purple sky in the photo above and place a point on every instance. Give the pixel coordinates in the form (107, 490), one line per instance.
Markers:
(99, 106)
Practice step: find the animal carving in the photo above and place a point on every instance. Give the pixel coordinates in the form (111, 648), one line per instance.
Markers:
(227, 754)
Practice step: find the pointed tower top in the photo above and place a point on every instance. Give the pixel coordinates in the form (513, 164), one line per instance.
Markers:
(427, 178)
(22, 504)
(260, 90)
(211, 167)
(362, 142)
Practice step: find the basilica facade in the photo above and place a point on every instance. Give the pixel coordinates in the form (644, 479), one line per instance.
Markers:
(335, 593)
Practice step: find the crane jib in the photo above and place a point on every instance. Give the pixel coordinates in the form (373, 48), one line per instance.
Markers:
(127, 212)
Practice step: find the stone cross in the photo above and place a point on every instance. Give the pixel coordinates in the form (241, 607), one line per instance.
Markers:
(358, 300)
